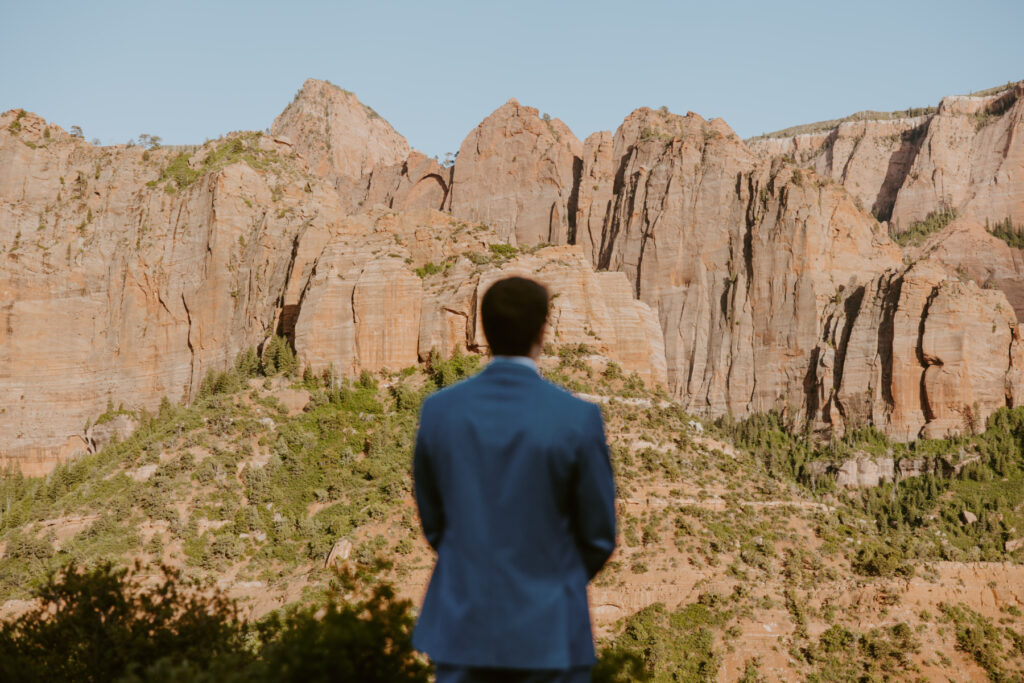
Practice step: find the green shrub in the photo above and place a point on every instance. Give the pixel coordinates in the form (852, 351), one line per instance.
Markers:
(673, 645)
(278, 358)
(876, 559)
(844, 655)
(102, 625)
(504, 251)
(368, 640)
(431, 268)
(97, 626)
(181, 172)
(446, 372)
(1008, 232)
(976, 635)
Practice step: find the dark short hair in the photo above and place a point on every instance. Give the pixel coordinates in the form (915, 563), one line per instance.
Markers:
(513, 312)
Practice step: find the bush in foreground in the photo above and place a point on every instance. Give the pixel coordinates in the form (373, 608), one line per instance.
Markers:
(105, 625)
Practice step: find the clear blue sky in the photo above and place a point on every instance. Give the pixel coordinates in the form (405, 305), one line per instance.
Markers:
(188, 71)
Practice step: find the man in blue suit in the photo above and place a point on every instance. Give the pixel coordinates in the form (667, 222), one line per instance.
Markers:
(515, 494)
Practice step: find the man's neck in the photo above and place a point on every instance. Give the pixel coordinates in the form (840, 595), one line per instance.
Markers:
(525, 361)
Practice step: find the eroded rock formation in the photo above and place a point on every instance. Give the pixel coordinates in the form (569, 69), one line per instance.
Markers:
(114, 290)
(967, 154)
(340, 138)
(516, 173)
(128, 274)
(364, 308)
(967, 248)
(776, 292)
(739, 279)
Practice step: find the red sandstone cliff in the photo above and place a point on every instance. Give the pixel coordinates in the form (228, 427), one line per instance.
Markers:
(967, 154)
(741, 280)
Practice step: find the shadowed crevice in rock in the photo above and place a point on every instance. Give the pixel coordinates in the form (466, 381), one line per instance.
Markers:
(574, 197)
(613, 222)
(811, 384)
(851, 310)
(849, 160)
(191, 349)
(748, 243)
(896, 172)
(289, 312)
(886, 332)
(925, 362)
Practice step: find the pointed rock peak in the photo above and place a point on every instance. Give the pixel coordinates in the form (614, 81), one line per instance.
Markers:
(314, 87)
(646, 124)
(512, 119)
(516, 172)
(338, 135)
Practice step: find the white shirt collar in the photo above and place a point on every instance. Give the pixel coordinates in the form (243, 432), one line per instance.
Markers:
(525, 361)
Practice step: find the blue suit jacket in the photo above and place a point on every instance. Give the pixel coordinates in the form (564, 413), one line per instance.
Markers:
(515, 493)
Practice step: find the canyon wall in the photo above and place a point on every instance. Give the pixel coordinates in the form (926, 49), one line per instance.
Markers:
(745, 278)
(118, 284)
(128, 274)
(967, 154)
(773, 288)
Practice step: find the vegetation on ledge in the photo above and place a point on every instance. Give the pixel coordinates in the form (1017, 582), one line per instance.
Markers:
(1007, 232)
(181, 172)
(918, 231)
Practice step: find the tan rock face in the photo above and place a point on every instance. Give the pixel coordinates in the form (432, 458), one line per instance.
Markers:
(737, 258)
(341, 138)
(596, 309)
(968, 155)
(112, 290)
(967, 248)
(972, 158)
(917, 352)
(364, 308)
(515, 172)
(744, 283)
(870, 159)
(416, 183)
(775, 292)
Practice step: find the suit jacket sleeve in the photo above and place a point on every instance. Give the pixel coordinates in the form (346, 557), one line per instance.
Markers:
(428, 496)
(594, 496)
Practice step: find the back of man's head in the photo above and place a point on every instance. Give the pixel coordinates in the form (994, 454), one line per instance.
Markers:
(513, 312)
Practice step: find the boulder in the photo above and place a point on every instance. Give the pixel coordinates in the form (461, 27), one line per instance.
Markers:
(340, 552)
(864, 472)
(117, 428)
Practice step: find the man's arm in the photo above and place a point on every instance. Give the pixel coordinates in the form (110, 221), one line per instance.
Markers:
(428, 497)
(594, 496)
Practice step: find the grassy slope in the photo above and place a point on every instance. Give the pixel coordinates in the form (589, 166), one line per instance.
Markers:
(733, 561)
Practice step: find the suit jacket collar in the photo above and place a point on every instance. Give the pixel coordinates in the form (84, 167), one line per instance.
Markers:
(524, 361)
(504, 366)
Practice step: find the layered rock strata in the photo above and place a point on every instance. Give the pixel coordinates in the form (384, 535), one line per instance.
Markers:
(967, 248)
(968, 155)
(743, 281)
(774, 291)
(516, 172)
(128, 274)
(364, 307)
(112, 290)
